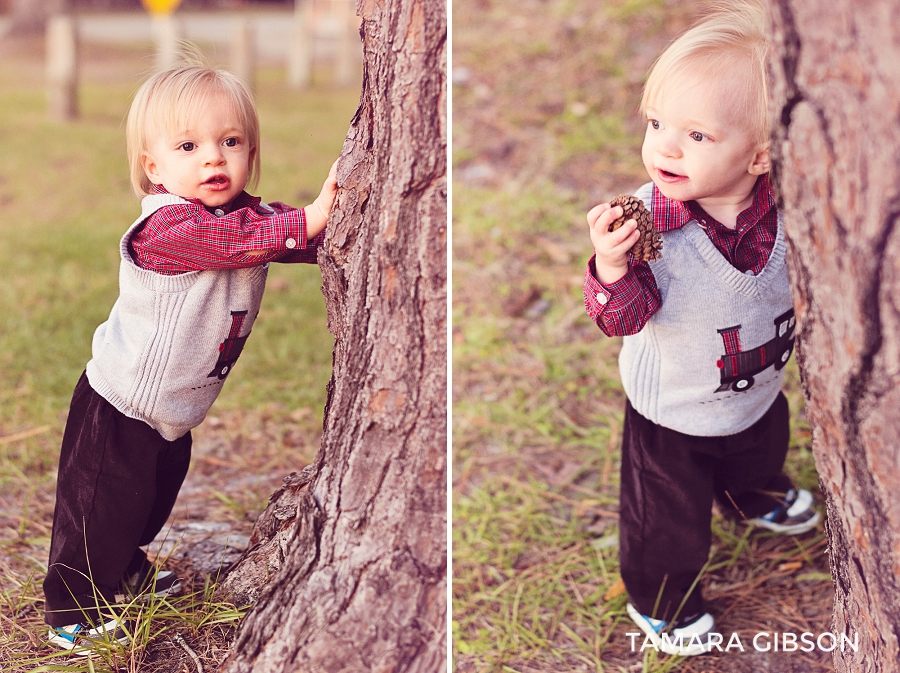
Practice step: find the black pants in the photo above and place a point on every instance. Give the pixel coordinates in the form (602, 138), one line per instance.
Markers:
(117, 483)
(668, 483)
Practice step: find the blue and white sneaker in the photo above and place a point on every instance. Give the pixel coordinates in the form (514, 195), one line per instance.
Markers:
(84, 638)
(793, 516)
(685, 637)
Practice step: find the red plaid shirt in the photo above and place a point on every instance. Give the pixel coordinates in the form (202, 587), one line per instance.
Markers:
(624, 307)
(188, 237)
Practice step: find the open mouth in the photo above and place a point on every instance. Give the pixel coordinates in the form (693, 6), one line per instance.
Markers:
(668, 176)
(217, 182)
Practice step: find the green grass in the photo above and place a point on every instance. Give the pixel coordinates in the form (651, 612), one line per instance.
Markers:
(527, 578)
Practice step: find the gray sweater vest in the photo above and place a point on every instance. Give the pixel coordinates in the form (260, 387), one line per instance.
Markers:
(710, 361)
(170, 341)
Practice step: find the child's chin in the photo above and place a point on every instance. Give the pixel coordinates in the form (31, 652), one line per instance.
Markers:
(668, 190)
(218, 201)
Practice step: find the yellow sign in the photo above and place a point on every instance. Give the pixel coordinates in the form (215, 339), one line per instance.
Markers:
(161, 6)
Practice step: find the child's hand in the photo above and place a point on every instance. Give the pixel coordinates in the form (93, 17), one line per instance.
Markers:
(318, 211)
(611, 247)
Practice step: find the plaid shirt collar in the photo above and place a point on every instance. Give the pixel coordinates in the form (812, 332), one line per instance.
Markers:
(242, 200)
(669, 214)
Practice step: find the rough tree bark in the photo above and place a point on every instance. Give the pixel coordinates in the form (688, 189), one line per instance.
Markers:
(836, 100)
(357, 542)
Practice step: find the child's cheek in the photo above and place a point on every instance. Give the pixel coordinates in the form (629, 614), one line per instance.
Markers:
(647, 158)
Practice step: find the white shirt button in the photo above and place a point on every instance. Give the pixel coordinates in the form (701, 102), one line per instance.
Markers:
(219, 212)
(290, 243)
(602, 298)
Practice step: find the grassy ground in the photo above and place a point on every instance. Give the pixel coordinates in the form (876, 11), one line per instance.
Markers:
(545, 126)
(65, 201)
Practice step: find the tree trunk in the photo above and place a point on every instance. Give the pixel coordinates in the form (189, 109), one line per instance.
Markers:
(836, 99)
(359, 540)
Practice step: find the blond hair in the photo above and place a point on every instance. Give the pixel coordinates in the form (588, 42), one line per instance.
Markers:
(731, 38)
(166, 103)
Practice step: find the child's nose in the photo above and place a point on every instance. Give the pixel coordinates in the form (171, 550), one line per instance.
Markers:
(668, 147)
(214, 156)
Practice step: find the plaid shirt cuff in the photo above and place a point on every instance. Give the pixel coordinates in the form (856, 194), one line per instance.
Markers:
(623, 307)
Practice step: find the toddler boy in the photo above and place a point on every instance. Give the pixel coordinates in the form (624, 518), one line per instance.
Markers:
(708, 327)
(192, 273)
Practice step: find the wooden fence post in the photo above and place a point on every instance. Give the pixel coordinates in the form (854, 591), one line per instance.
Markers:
(300, 55)
(243, 51)
(165, 36)
(348, 66)
(62, 67)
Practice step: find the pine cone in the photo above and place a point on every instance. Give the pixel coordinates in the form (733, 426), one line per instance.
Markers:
(649, 245)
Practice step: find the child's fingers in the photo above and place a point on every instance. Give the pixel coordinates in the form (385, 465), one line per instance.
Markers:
(615, 245)
(622, 239)
(611, 246)
(329, 187)
(623, 233)
(604, 217)
(595, 212)
(600, 217)
(601, 234)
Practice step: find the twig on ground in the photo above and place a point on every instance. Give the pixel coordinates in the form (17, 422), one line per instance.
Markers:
(25, 434)
(193, 655)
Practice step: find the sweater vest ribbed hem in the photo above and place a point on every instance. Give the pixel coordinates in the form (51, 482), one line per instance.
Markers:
(106, 391)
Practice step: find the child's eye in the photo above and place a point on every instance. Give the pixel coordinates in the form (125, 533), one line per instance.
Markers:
(654, 124)
(187, 147)
(696, 135)
(231, 142)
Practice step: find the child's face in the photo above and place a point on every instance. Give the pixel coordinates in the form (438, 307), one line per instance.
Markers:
(699, 145)
(209, 161)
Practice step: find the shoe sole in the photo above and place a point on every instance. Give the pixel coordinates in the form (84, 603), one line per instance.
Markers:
(664, 645)
(795, 529)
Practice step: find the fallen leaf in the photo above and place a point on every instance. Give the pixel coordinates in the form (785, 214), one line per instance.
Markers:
(615, 590)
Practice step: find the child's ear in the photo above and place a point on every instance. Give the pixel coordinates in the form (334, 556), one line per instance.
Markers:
(149, 166)
(762, 161)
